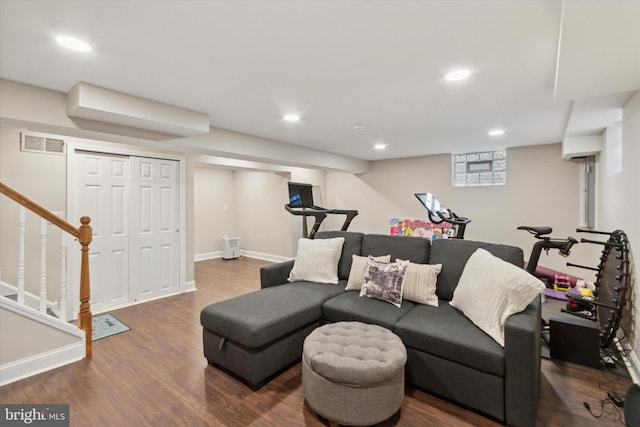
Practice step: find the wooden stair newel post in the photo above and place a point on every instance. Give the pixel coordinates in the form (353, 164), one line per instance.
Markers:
(84, 315)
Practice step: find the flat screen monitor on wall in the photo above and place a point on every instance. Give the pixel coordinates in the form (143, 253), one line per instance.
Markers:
(300, 195)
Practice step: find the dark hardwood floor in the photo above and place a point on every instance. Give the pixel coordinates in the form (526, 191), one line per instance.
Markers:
(156, 375)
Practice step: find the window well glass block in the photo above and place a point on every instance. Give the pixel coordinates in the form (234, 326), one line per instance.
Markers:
(486, 178)
(499, 165)
(481, 168)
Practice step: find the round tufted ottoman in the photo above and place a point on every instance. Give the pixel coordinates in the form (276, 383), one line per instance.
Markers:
(353, 373)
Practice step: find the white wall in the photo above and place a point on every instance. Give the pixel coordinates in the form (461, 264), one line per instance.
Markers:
(254, 212)
(214, 208)
(261, 221)
(619, 204)
(541, 189)
(42, 178)
(42, 338)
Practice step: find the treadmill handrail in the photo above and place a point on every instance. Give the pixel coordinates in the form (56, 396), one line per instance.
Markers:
(320, 214)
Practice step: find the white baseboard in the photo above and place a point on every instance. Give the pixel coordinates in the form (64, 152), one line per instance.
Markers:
(265, 257)
(630, 359)
(131, 303)
(207, 255)
(249, 254)
(39, 363)
(634, 368)
(189, 286)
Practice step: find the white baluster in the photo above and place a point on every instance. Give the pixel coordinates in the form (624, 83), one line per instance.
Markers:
(43, 265)
(21, 227)
(63, 276)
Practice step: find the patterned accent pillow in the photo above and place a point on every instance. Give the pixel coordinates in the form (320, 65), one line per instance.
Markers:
(490, 290)
(358, 267)
(420, 283)
(383, 281)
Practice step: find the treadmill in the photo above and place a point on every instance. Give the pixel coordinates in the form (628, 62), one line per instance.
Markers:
(301, 204)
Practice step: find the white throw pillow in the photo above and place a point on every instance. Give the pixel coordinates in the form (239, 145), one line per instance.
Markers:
(358, 267)
(490, 290)
(420, 283)
(317, 260)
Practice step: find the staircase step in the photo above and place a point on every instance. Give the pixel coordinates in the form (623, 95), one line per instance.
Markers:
(14, 297)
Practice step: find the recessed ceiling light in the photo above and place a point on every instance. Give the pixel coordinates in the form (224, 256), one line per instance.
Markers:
(457, 75)
(380, 146)
(291, 117)
(73, 43)
(496, 132)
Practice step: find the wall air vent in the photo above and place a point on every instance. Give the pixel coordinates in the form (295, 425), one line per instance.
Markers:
(42, 144)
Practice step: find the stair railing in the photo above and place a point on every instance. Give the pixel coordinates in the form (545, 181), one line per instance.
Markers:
(84, 235)
(58, 309)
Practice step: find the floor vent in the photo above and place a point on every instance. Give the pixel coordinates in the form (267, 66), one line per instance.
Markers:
(42, 144)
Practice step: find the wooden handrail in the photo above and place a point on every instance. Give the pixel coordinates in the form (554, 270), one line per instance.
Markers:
(39, 210)
(84, 234)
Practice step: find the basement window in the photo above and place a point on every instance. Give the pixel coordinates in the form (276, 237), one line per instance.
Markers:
(480, 168)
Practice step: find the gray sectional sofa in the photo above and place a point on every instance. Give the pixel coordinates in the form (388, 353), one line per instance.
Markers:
(257, 335)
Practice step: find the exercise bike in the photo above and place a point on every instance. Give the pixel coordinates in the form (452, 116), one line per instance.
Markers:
(563, 246)
(439, 214)
(546, 242)
(612, 275)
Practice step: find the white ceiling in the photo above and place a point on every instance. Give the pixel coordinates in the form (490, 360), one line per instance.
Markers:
(338, 63)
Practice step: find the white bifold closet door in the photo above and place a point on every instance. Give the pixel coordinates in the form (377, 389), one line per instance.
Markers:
(133, 204)
(154, 228)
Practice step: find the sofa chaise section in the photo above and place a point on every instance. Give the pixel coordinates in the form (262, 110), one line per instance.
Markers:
(257, 334)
